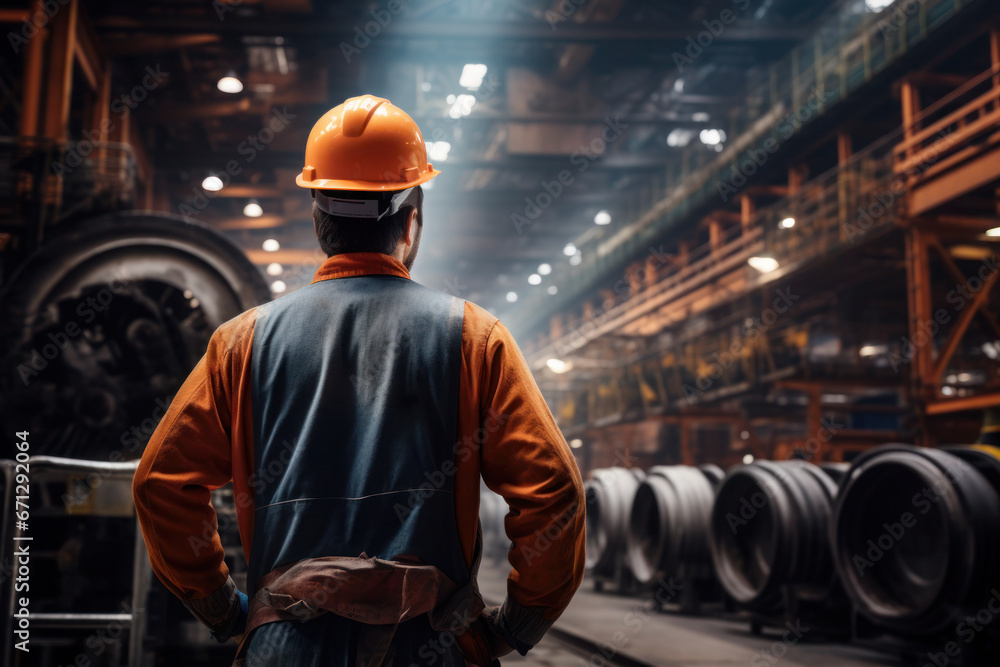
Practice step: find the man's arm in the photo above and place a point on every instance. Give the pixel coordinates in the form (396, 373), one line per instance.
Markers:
(527, 461)
(189, 455)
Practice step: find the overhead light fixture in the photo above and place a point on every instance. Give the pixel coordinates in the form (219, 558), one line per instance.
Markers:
(462, 106)
(602, 218)
(787, 223)
(569, 250)
(763, 264)
(873, 350)
(253, 209)
(212, 183)
(553, 290)
(535, 279)
(511, 297)
(278, 286)
(576, 259)
(712, 137)
(472, 76)
(679, 137)
(274, 269)
(877, 5)
(230, 83)
(993, 232)
(271, 245)
(747, 459)
(437, 151)
(544, 269)
(576, 443)
(557, 365)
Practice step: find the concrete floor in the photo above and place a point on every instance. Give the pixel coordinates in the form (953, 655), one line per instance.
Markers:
(626, 626)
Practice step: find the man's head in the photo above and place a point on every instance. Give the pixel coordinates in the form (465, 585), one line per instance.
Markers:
(396, 233)
(365, 162)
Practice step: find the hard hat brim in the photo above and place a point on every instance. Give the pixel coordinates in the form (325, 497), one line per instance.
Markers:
(364, 186)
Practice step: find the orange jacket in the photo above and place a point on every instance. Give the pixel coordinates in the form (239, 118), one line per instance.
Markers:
(204, 441)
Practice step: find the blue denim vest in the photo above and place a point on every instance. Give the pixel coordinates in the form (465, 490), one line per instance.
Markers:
(355, 390)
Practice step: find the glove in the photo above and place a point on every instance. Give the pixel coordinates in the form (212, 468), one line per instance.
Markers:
(237, 622)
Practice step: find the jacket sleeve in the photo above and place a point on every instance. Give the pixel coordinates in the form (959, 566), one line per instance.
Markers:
(188, 456)
(525, 459)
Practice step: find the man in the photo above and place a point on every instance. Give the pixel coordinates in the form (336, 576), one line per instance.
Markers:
(355, 418)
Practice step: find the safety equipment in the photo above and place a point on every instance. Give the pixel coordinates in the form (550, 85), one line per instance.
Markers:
(365, 145)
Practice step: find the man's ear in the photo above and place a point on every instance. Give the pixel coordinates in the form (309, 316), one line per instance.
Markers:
(410, 234)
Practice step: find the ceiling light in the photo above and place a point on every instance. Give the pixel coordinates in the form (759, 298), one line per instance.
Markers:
(274, 269)
(878, 5)
(511, 297)
(557, 365)
(462, 106)
(679, 138)
(602, 218)
(872, 350)
(278, 286)
(437, 151)
(576, 259)
(712, 137)
(993, 232)
(253, 209)
(787, 223)
(271, 245)
(544, 269)
(553, 290)
(212, 183)
(535, 279)
(230, 84)
(576, 443)
(472, 76)
(763, 264)
(569, 250)
(747, 459)
(679, 86)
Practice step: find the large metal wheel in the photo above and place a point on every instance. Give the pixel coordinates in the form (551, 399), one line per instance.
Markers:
(103, 323)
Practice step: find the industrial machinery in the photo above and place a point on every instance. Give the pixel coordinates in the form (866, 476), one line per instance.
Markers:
(103, 313)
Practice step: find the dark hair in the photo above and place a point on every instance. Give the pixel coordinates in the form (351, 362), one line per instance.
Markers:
(338, 235)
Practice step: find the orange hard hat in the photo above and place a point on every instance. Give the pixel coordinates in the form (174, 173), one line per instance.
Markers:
(365, 144)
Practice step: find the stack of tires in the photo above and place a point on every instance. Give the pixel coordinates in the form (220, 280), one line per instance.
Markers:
(610, 493)
(917, 544)
(668, 549)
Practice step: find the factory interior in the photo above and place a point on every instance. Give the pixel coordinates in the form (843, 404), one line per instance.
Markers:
(748, 250)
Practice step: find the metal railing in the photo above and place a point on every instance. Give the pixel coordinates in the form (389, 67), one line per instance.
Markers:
(48, 468)
(845, 53)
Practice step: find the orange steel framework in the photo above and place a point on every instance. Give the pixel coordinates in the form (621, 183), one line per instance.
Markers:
(944, 152)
